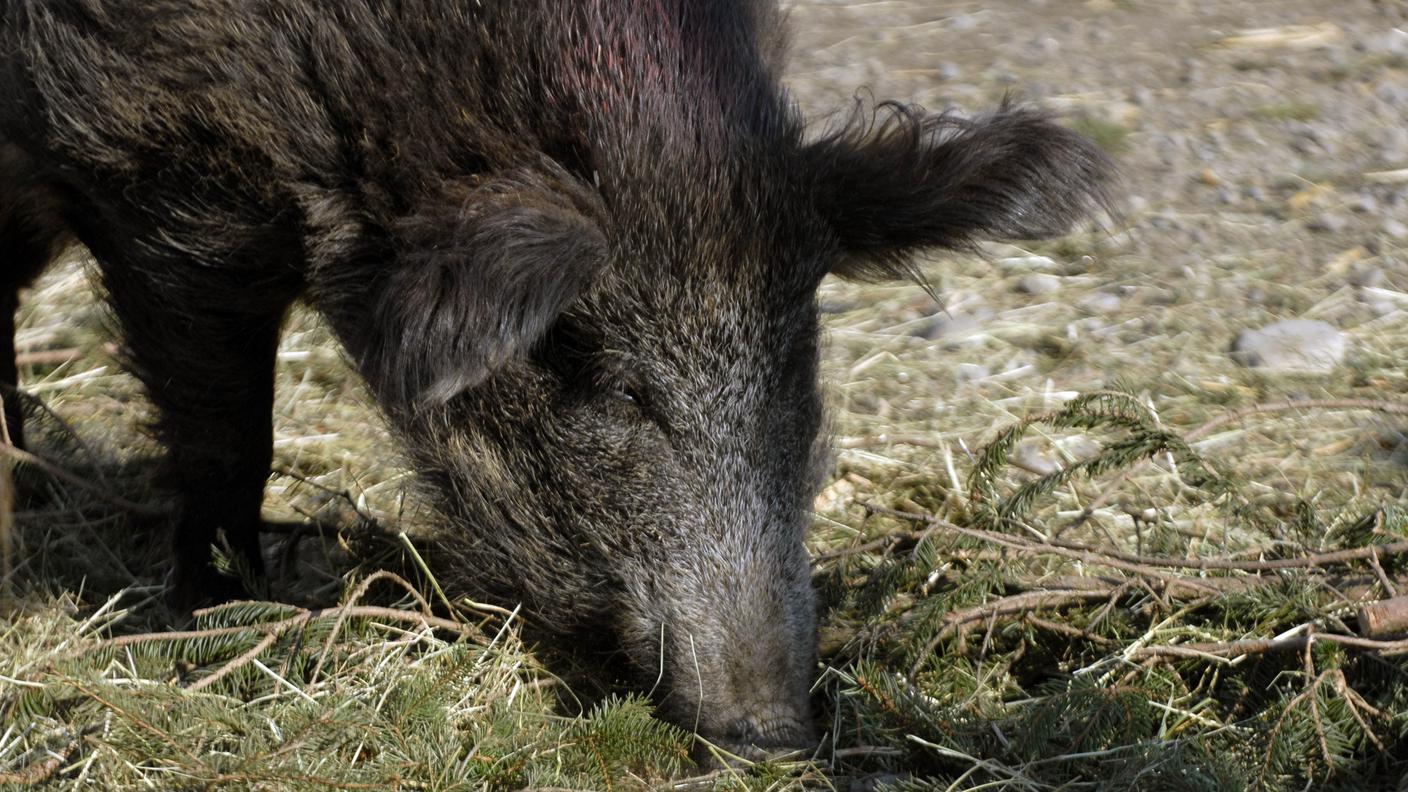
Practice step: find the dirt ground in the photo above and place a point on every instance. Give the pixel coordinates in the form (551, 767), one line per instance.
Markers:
(1262, 148)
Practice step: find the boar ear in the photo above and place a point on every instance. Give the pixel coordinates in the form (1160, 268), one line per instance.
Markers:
(895, 180)
(481, 276)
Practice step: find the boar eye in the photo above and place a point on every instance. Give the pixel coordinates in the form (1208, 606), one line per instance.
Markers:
(626, 391)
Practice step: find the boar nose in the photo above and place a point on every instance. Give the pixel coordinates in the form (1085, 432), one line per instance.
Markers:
(760, 739)
(783, 733)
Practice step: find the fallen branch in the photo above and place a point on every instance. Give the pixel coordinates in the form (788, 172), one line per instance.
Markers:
(1141, 563)
(1259, 646)
(358, 612)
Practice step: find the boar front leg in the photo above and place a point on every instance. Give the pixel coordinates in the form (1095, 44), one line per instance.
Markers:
(203, 341)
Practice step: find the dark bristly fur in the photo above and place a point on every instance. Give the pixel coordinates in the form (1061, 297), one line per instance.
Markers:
(573, 249)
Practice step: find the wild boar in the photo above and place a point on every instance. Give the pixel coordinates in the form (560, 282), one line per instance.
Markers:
(572, 248)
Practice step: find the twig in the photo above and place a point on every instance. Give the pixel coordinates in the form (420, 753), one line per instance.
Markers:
(357, 595)
(1382, 575)
(1017, 603)
(1064, 629)
(238, 662)
(886, 542)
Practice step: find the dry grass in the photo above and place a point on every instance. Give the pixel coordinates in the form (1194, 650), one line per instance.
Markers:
(1039, 618)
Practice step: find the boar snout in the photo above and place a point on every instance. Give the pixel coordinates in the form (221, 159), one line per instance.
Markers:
(739, 675)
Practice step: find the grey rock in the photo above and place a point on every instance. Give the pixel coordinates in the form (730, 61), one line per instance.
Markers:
(1395, 228)
(1394, 42)
(1291, 345)
(1046, 45)
(1079, 447)
(1392, 94)
(971, 372)
(1029, 457)
(1364, 203)
(1381, 308)
(1039, 283)
(956, 330)
(1371, 278)
(836, 306)
(1328, 223)
(962, 22)
(1101, 302)
(1024, 263)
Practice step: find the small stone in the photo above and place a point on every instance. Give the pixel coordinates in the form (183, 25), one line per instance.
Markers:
(1395, 228)
(1029, 457)
(955, 330)
(1392, 94)
(1364, 203)
(1039, 283)
(1291, 345)
(1394, 42)
(1079, 447)
(1101, 303)
(1327, 223)
(962, 22)
(970, 372)
(949, 71)
(1019, 263)
(1370, 278)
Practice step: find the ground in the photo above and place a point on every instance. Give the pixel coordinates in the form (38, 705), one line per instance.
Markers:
(1060, 639)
